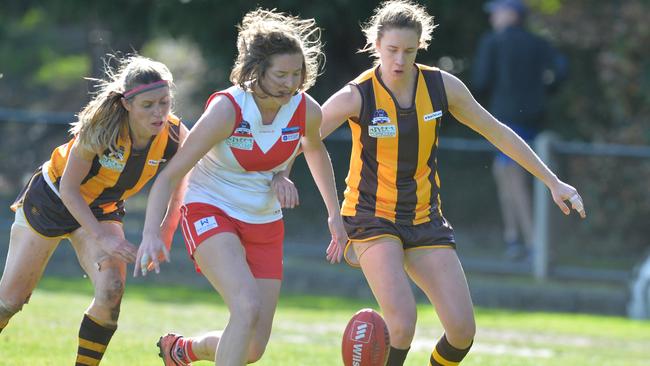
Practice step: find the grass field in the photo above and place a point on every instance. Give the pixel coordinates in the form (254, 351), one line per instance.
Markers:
(308, 331)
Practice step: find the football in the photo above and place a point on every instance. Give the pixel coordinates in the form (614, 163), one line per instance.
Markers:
(365, 340)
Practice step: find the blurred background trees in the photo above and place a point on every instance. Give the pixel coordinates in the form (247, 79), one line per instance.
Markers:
(48, 47)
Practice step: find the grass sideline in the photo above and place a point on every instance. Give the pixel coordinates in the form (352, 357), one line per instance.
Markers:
(308, 330)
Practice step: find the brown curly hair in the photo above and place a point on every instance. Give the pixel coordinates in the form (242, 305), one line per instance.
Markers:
(264, 33)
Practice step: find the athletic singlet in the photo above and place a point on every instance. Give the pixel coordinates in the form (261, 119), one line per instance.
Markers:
(393, 165)
(114, 177)
(235, 175)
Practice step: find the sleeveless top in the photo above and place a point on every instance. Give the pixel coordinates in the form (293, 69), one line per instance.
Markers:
(114, 177)
(235, 175)
(393, 164)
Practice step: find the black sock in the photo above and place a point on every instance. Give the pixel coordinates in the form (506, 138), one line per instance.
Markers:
(397, 356)
(93, 340)
(445, 353)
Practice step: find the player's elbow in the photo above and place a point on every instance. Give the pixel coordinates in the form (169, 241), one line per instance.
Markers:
(167, 179)
(67, 192)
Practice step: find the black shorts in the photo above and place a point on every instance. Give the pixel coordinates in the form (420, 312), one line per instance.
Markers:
(46, 213)
(435, 233)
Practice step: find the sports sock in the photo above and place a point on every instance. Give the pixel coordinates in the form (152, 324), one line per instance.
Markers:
(397, 356)
(93, 340)
(185, 345)
(445, 354)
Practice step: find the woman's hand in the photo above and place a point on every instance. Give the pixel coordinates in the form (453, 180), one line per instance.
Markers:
(167, 236)
(339, 239)
(563, 192)
(285, 190)
(117, 247)
(151, 249)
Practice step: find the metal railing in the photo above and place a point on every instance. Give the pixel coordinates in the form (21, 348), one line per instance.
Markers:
(548, 146)
(25, 116)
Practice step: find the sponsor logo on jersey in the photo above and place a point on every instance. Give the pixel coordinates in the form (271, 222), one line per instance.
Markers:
(382, 131)
(113, 160)
(156, 162)
(380, 126)
(205, 224)
(432, 116)
(111, 163)
(290, 129)
(290, 137)
(239, 142)
(244, 128)
(290, 134)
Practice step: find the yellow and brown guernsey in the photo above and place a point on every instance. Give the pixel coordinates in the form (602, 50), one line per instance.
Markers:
(114, 177)
(393, 165)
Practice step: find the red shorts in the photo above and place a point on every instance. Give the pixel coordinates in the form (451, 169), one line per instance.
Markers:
(262, 242)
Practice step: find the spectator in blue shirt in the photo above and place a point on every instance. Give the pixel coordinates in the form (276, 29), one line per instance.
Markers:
(515, 69)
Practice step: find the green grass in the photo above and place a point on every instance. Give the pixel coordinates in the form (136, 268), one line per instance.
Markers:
(307, 330)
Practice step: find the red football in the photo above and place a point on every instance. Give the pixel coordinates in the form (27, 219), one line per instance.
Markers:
(365, 341)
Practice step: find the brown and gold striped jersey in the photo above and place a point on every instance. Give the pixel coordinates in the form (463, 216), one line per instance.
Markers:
(114, 177)
(393, 165)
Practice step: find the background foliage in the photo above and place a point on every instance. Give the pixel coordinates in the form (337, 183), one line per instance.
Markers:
(47, 47)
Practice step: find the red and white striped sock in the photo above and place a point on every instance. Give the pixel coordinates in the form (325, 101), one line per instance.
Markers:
(183, 351)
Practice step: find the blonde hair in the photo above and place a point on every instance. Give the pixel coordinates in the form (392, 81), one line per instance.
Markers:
(264, 33)
(398, 14)
(104, 118)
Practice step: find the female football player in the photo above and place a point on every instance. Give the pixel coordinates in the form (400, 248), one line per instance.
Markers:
(392, 209)
(122, 138)
(237, 151)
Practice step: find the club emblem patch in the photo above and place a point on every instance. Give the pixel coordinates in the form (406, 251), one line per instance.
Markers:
(244, 128)
(380, 126)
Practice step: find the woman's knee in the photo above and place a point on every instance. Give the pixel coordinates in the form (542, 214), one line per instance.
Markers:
(107, 301)
(109, 293)
(401, 326)
(259, 342)
(255, 352)
(461, 331)
(246, 309)
(10, 306)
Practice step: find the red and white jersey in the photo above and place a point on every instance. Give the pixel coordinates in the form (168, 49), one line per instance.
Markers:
(235, 175)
